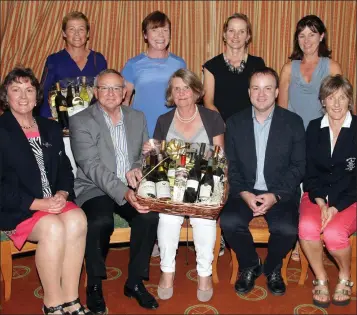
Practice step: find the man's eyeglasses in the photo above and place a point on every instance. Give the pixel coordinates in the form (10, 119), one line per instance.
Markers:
(105, 89)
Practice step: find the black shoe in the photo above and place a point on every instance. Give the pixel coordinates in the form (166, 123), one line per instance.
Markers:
(95, 300)
(275, 282)
(144, 298)
(80, 309)
(246, 280)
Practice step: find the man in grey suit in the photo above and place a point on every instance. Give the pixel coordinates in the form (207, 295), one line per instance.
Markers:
(107, 140)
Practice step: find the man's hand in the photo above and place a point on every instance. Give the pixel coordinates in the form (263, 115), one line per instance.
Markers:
(133, 177)
(147, 147)
(329, 213)
(266, 200)
(250, 199)
(130, 197)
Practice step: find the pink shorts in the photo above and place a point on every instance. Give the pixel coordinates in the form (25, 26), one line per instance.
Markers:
(24, 229)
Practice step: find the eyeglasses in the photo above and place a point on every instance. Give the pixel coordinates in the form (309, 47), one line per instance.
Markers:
(115, 89)
(184, 89)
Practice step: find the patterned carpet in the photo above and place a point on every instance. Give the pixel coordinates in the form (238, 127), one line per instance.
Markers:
(27, 292)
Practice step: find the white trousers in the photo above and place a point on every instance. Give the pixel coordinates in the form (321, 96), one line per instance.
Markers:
(204, 238)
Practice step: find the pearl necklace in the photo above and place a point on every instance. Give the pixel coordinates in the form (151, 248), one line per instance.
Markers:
(32, 125)
(186, 120)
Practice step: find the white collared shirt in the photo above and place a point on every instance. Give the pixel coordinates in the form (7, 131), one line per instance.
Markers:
(325, 123)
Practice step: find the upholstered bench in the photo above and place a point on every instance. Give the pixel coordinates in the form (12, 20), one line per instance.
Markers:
(121, 234)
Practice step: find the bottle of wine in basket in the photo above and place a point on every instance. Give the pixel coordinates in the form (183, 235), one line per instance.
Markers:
(147, 187)
(180, 180)
(207, 183)
(193, 181)
(162, 182)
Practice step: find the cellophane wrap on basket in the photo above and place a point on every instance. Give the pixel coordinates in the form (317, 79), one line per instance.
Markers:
(204, 208)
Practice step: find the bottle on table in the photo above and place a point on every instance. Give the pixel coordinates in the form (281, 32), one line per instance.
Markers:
(84, 92)
(61, 107)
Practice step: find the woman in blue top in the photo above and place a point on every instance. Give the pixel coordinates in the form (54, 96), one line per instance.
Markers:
(148, 73)
(75, 60)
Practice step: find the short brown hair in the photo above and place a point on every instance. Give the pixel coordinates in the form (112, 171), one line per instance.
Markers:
(19, 72)
(243, 17)
(154, 20)
(264, 70)
(74, 15)
(189, 78)
(332, 83)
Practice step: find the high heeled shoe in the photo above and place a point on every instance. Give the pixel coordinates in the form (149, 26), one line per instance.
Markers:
(166, 293)
(52, 309)
(204, 295)
(81, 310)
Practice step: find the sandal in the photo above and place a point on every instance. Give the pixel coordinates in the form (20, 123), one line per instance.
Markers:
(323, 304)
(52, 309)
(295, 256)
(346, 293)
(80, 310)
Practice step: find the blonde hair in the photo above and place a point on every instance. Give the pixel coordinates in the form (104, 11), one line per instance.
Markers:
(189, 78)
(243, 17)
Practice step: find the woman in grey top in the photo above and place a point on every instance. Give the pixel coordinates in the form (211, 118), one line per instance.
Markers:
(301, 78)
(190, 123)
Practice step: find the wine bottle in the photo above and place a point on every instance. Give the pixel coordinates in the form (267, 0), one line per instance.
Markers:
(193, 181)
(147, 187)
(162, 182)
(207, 183)
(201, 155)
(61, 106)
(69, 96)
(180, 180)
(217, 169)
(84, 92)
(171, 174)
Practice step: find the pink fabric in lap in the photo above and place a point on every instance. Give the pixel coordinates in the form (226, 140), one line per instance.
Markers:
(336, 233)
(24, 229)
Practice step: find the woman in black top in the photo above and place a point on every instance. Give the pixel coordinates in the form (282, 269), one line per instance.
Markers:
(226, 75)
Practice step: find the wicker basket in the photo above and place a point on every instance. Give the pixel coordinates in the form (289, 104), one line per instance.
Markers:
(185, 209)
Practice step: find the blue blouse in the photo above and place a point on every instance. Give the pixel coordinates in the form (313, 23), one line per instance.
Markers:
(61, 66)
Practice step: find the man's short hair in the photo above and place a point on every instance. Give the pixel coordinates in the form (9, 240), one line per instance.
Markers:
(106, 71)
(265, 70)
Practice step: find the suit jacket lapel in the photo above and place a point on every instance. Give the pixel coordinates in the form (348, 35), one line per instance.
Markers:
(249, 148)
(343, 143)
(128, 131)
(105, 133)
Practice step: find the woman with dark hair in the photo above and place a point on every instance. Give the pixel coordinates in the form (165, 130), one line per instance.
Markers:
(226, 75)
(311, 62)
(328, 205)
(72, 63)
(301, 78)
(149, 72)
(195, 124)
(37, 192)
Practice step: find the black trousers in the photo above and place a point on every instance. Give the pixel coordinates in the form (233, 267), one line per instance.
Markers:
(99, 211)
(282, 221)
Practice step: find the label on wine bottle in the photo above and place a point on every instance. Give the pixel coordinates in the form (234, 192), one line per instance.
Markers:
(62, 108)
(163, 190)
(191, 183)
(205, 191)
(147, 189)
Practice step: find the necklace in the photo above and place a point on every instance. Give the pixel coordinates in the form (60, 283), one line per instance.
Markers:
(32, 125)
(234, 69)
(186, 120)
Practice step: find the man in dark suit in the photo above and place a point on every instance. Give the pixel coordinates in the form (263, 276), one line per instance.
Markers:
(106, 140)
(265, 148)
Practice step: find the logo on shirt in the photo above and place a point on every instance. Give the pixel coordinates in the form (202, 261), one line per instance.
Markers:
(351, 163)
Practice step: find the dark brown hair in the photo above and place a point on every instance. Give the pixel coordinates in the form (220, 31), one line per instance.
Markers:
(243, 17)
(264, 70)
(154, 20)
(189, 78)
(15, 75)
(74, 15)
(315, 24)
(332, 83)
